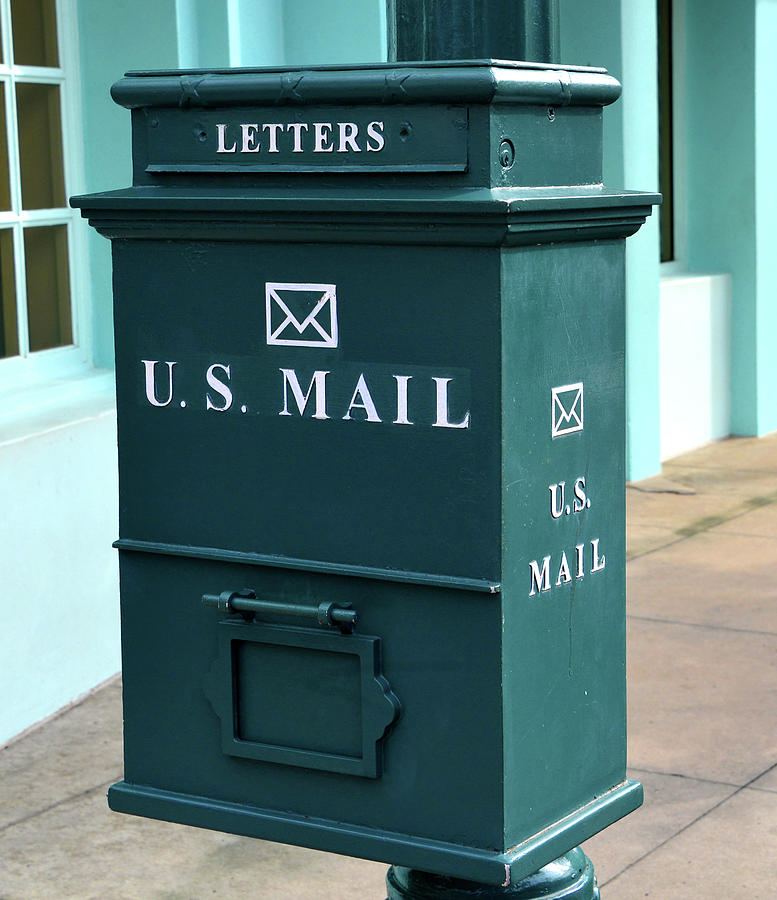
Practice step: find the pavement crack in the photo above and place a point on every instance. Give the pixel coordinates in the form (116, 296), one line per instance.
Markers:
(706, 625)
(690, 824)
(644, 490)
(96, 787)
(630, 557)
(764, 790)
(636, 770)
(707, 523)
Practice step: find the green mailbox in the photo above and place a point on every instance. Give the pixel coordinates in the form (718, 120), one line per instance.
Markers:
(370, 373)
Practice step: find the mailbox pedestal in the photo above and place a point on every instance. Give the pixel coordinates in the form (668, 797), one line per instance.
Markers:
(369, 360)
(569, 878)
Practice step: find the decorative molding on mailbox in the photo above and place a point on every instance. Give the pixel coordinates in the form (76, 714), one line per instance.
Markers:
(430, 579)
(301, 697)
(477, 218)
(470, 863)
(402, 139)
(478, 82)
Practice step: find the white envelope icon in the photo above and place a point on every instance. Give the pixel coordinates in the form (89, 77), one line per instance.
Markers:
(301, 315)
(566, 409)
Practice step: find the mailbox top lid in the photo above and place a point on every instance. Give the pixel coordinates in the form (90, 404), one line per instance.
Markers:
(458, 81)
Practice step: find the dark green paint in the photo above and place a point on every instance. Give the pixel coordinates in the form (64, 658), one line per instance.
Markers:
(251, 468)
(547, 114)
(465, 81)
(563, 652)
(175, 743)
(466, 726)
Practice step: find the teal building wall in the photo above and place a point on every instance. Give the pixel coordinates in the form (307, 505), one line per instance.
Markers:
(725, 159)
(110, 42)
(194, 33)
(730, 148)
(721, 176)
(157, 34)
(726, 182)
(348, 31)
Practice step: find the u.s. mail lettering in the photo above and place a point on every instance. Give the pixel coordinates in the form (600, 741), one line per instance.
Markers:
(305, 315)
(350, 393)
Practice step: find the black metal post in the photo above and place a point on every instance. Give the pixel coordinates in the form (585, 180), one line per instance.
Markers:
(473, 29)
(527, 30)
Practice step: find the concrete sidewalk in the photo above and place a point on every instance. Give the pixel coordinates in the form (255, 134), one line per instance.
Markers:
(702, 605)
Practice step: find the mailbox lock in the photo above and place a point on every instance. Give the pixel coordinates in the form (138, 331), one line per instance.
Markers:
(506, 154)
(328, 612)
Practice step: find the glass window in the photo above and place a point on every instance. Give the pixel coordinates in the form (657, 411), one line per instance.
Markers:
(35, 222)
(48, 286)
(9, 338)
(34, 27)
(5, 183)
(40, 145)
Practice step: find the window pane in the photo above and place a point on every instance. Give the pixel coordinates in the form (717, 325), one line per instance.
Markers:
(34, 32)
(9, 338)
(5, 189)
(48, 293)
(40, 146)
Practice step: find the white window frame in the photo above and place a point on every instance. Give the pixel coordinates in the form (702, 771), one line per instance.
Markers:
(42, 366)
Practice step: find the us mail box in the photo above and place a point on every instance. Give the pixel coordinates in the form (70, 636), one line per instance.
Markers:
(369, 364)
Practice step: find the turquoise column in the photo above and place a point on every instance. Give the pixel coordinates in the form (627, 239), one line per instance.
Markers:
(345, 31)
(203, 34)
(765, 218)
(256, 32)
(640, 170)
(621, 35)
(114, 37)
(720, 175)
(732, 186)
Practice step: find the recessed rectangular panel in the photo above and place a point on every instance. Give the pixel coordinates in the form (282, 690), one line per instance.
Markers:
(298, 697)
(325, 139)
(306, 697)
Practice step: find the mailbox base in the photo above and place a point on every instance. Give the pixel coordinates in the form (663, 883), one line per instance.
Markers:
(480, 867)
(571, 877)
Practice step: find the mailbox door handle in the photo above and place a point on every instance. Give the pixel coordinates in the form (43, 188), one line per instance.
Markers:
(328, 612)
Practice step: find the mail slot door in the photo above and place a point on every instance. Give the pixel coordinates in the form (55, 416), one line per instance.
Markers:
(284, 727)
